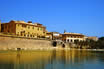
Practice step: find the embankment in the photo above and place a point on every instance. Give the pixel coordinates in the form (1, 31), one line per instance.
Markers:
(11, 43)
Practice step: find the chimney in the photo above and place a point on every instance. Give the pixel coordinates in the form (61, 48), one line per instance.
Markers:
(30, 22)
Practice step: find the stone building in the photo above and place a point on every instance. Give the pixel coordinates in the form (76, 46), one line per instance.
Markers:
(49, 35)
(21, 28)
(71, 37)
(54, 35)
(93, 38)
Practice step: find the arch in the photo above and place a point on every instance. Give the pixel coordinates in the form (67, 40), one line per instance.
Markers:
(54, 43)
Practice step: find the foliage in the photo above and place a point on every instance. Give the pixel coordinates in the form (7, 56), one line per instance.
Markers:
(91, 43)
(100, 43)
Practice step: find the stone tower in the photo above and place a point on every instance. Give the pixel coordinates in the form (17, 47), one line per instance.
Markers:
(64, 31)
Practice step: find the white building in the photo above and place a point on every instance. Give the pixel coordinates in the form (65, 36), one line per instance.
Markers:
(71, 37)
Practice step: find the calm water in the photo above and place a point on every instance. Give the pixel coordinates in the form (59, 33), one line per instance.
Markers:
(69, 59)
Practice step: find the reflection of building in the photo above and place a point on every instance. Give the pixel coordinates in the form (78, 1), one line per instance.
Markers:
(71, 37)
(24, 60)
(92, 38)
(21, 28)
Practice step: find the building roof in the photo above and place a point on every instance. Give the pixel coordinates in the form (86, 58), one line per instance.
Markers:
(72, 34)
(17, 21)
(23, 22)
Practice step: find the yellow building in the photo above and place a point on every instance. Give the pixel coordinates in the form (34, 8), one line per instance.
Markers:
(21, 28)
(0, 26)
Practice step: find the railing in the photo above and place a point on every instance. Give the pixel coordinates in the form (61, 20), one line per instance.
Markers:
(15, 36)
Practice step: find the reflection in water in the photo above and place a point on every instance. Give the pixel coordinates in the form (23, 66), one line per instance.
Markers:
(53, 59)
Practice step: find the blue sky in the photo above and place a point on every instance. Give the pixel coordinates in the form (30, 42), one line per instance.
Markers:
(79, 16)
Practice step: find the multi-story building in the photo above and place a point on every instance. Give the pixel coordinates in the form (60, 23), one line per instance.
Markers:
(71, 37)
(21, 28)
(54, 35)
(0, 26)
(49, 35)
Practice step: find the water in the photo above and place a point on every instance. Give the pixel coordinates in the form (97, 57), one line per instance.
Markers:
(60, 59)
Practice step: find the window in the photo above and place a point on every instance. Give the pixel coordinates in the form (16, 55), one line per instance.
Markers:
(8, 31)
(33, 27)
(68, 40)
(21, 33)
(28, 27)
(71, 40)
(41, 29)
(38, 28)
(28, 33)
(24, 34)
(24, 25)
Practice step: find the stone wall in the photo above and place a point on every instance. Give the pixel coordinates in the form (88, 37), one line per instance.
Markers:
(10, 43)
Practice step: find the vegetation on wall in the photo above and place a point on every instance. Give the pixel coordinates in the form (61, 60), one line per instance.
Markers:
(91, 43)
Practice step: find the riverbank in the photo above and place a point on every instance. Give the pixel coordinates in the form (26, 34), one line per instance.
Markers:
(9, 42)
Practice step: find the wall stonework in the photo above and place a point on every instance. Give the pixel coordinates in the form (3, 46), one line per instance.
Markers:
(9, 43)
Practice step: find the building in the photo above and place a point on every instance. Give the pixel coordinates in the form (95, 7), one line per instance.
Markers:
(71, 37)
(93, 38)
(48, 35)
(21, 28)
(0, 26)
(54, 35)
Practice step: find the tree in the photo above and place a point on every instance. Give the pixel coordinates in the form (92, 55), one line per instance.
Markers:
(100, 43)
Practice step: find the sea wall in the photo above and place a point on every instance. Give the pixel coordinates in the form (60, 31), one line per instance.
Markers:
(11, 43)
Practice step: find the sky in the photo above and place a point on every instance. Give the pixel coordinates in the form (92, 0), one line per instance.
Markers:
(76, 16)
